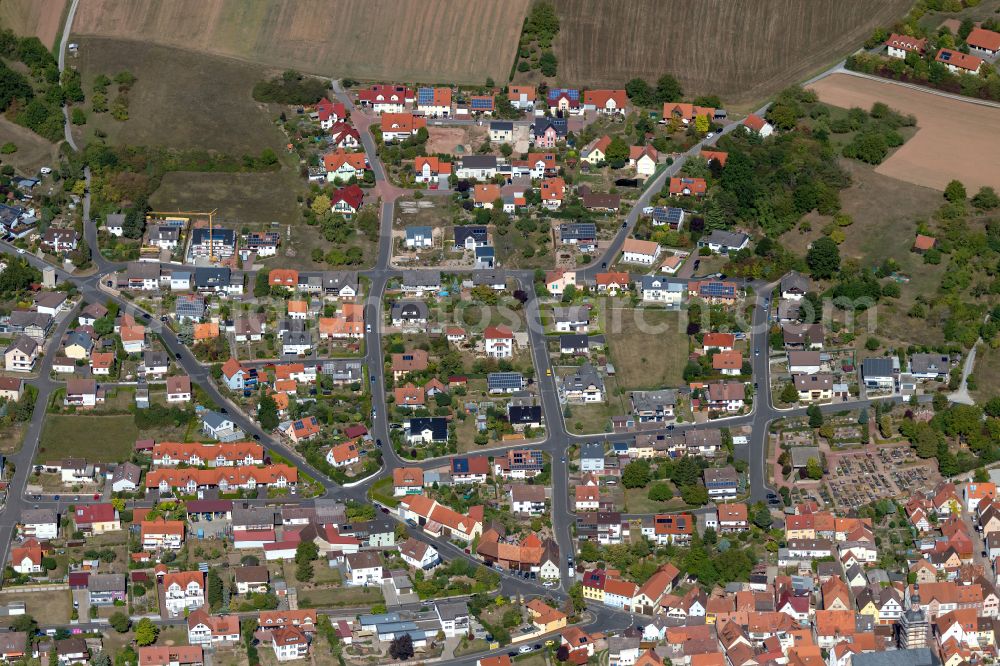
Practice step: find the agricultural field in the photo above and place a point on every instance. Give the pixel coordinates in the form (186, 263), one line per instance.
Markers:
(431, 40)
(33, 151)
(759, 46)
(945, 127)
(180, 99)
(41, 18)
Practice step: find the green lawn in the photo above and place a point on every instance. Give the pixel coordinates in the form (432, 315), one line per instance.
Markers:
(381, 490)
(95, 438)
(636, 501)
(471, 647)
(340, 596)
(50, 607)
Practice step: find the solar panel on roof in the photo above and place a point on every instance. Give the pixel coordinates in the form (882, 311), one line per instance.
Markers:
(504, 380)
(945, 55)
(425, 95)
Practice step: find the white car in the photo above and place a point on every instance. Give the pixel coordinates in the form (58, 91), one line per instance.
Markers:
(20, 250)
(524, 649)
(45, 170)
(549, 583)
(710, 135)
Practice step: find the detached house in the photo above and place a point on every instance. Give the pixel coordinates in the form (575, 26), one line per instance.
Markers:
(553, 192)
(21, 354)
(386, 98)
(897, 46)
(639, 251)
(758, 125)
(401, 126)
(183, 590)
(688, 187)
(330, 113)
(430, 170)
(643, 159)
(605, 101)
(498, 342)
(347, 200)
(342, 165)
(434, 102)
(958, 62)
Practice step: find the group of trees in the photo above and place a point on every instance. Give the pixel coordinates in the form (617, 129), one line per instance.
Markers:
(292, 88)
(535, 47)
(667, 89)
(685, 473)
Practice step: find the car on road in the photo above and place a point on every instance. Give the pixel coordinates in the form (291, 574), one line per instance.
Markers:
(524, 649)
(56, 498)
(511, 654)
(20, 250)
(536, 646)
(697, 263)
(549, 583)
(756, 352)
(368, 328)
(624, 224)
(373, 379)
(563, 459)
(384, 510)
(257, 437)
(710, 135)
(604, 264)
(223, 410)
(549, 643)
(378, 442)
(548, 372)
(177, 356)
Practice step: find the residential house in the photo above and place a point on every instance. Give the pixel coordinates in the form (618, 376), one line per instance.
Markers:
(654, 406)
(643, 159)
(661, 289)
(758, 125)
(897, 46)
(724, 242)
(639, 251)
(958, 62)
(813, 388)
(687, 187)
(498, 342)
(21, 354)
(608, 102)
(347, 200)
(418, 554)
(183, 590)
(584, 385)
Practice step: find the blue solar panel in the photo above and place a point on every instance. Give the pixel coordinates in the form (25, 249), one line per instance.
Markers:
(572, 93)
(482, 103)
(945, 55)
(425, 95)
(504, 380)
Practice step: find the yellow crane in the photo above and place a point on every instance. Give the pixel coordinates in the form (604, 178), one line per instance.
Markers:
(182, 213)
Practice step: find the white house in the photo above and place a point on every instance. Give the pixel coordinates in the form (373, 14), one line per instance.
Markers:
(499, 342)
(659, 289)
(755, 123)
(183, 590)
(418, 554)
(364, 568)
(639, 251)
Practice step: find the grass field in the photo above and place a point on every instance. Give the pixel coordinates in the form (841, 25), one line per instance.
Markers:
(986, 373)
(945, 126)
(880, 232)
(637, 501)
(180, 99)
(648, 347)
(428, 40)
(33, 151)
(49, 607)
(96, 438)
(741, 50)
(340, 596)
(241, 198)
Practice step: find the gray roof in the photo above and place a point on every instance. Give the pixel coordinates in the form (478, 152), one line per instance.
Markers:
(586, 375)
(409, 310)
(479, 162)
(209, 276)
(662, 282)
(214, 419)
(152, 359)
(573, 341)
(296, 338)
(577, 230)
(25, 318)
(422, 279)
(449, 610)
(143, 270)
(817, 382)
(571, 314)
(106, 583)
(914, 657)
(38, 516)
(725, 238)
(253, 515)
(878, 367)
(795, 282)
(502, 125)
(721, 475)
(925, 363)
(419, 230)
(591, 450)
(651, 400)
(127, 471)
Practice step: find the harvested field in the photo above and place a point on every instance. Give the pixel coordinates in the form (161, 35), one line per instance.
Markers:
(967, 134)
(407, 40)
(741, 50)
(241, 198)
(32, 150)
(41, 18)
(180, 99)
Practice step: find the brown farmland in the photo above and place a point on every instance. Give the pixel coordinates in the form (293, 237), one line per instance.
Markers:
(955, 140)
(741, 50)
(41, 18)
(405, 40)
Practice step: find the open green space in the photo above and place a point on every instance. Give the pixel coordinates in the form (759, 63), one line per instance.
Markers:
(648, 347)
(95, 438)
(340, 596)
(48, 607)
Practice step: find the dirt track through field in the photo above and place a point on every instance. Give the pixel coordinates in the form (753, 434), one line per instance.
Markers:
(955, 139)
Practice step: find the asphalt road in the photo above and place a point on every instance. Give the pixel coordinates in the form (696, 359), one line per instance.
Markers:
(557, 438)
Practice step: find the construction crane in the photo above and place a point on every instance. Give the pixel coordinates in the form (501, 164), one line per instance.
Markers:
(188, 213)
